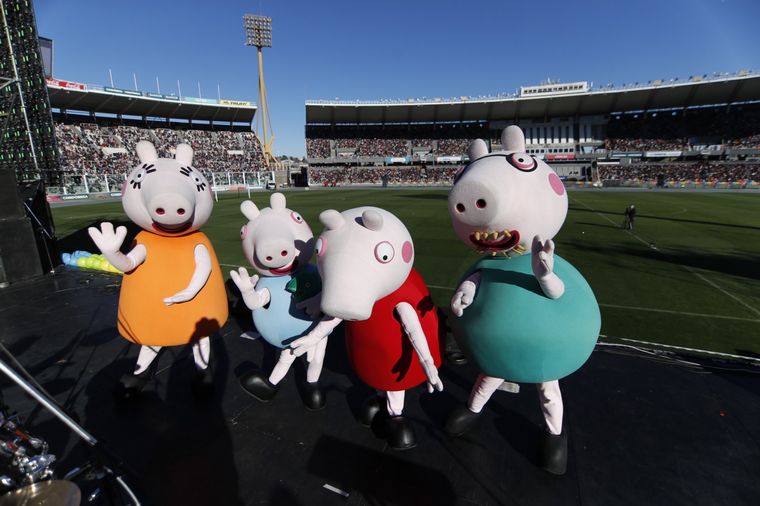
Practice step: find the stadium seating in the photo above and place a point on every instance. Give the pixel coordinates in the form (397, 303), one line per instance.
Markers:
(90, 148)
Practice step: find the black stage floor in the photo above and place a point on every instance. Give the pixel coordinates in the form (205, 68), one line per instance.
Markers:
(642, 429)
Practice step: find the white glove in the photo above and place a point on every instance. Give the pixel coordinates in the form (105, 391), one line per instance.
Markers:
(463, 297)
(542, 257)
(106, 239)
(431, 371)
(320, 331)
(247, 286)
(181, 296)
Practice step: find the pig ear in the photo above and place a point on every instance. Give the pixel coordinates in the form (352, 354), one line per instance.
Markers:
(184, 154)
(513, 139)
(477, 149)
(372, 220)
(331, 219)
(146, 152)
(249, 210)
(277, 201)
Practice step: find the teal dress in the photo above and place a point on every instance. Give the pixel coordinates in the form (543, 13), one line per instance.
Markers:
(513, 331)
(280, 322)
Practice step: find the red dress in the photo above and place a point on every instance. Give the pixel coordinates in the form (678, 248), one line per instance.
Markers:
(378, 348)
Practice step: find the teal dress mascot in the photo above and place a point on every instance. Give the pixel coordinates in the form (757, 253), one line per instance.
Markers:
(522, 313)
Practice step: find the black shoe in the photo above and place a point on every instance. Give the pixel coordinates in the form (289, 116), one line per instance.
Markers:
(203, 383)
(399, 433)
(370, 409)
(313, 397)
(554, 453)
(459, 421)
(130, 385)
(258, 386)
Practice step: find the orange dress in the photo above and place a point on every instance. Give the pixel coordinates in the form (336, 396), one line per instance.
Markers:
(169, 265)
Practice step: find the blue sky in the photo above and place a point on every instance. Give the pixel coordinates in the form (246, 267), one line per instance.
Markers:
(393, 48)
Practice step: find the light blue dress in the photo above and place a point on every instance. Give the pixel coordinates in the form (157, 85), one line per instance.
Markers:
(280, 322)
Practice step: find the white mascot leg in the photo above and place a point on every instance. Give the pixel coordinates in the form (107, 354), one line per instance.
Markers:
(203, 382)
(201, 353)
(146, 357)
(551, 405)
(287, 357)
(395, 402)
(462, 418)
(554, 450)
(315, 364)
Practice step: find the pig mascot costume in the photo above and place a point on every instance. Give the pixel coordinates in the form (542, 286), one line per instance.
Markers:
(172, 292)
(279, 244)
(365, 258)
(522, 313)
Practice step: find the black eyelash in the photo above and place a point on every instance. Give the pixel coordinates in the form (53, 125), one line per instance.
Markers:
(186, 171)
(201, 186)
(150, 170)
(136, 185)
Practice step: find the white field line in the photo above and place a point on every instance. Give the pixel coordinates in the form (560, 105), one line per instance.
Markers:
(689, 269)
(707, 352)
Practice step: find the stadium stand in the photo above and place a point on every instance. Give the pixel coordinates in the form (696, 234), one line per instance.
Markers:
(703, 129)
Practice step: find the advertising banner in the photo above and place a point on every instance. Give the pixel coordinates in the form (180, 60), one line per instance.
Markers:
(121, 91)
(397, 159)
(625, 154)
(234, 102)
(69, 85)
(662, 154)
(561, 156)
(201, 100)
(448, 159)
(161, 96)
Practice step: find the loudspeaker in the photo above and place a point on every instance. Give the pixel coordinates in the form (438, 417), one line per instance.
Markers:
(34, 199)
(18, 250)
(10, 205)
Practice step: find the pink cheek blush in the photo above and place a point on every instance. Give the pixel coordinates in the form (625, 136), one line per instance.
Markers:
(556, 184)
(406, 252)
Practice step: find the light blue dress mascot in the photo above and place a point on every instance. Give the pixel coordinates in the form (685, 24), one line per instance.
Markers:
(283, 296)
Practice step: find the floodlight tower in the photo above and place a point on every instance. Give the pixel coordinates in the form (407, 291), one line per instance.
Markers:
(258, 32)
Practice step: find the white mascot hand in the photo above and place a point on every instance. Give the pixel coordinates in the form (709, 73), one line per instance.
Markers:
(463, 297)
(181, 296)
(106, 239)
(431, 371)
(542, 257)
(244, 283)
(247, 286)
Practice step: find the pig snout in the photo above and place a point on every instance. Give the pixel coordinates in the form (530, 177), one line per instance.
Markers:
(473, 202)
(170, 208)
(351, 303)
(274, 253)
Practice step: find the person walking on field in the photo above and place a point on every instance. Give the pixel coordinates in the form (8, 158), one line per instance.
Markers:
(630, 217)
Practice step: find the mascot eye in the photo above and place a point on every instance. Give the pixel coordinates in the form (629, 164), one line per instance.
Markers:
(296, 217)
(244, 231)
(384, 252)
(140, 175)
(522, 161)
(197, 180)
(321, 246)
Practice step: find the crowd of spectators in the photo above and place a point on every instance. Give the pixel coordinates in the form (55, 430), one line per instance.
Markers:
(414, 175)
(380, 147)
(702, 172)
(89, 148)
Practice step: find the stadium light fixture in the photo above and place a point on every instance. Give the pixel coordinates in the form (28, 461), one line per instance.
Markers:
(258, 30)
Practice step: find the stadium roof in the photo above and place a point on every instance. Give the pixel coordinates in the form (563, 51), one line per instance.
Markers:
(80, 97)
(655, 95)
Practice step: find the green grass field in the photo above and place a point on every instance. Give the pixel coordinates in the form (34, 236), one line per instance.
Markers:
(688, 275)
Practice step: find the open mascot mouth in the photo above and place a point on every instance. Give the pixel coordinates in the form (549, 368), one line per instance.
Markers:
(489, 240)
(172, 229)
(286, 269)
